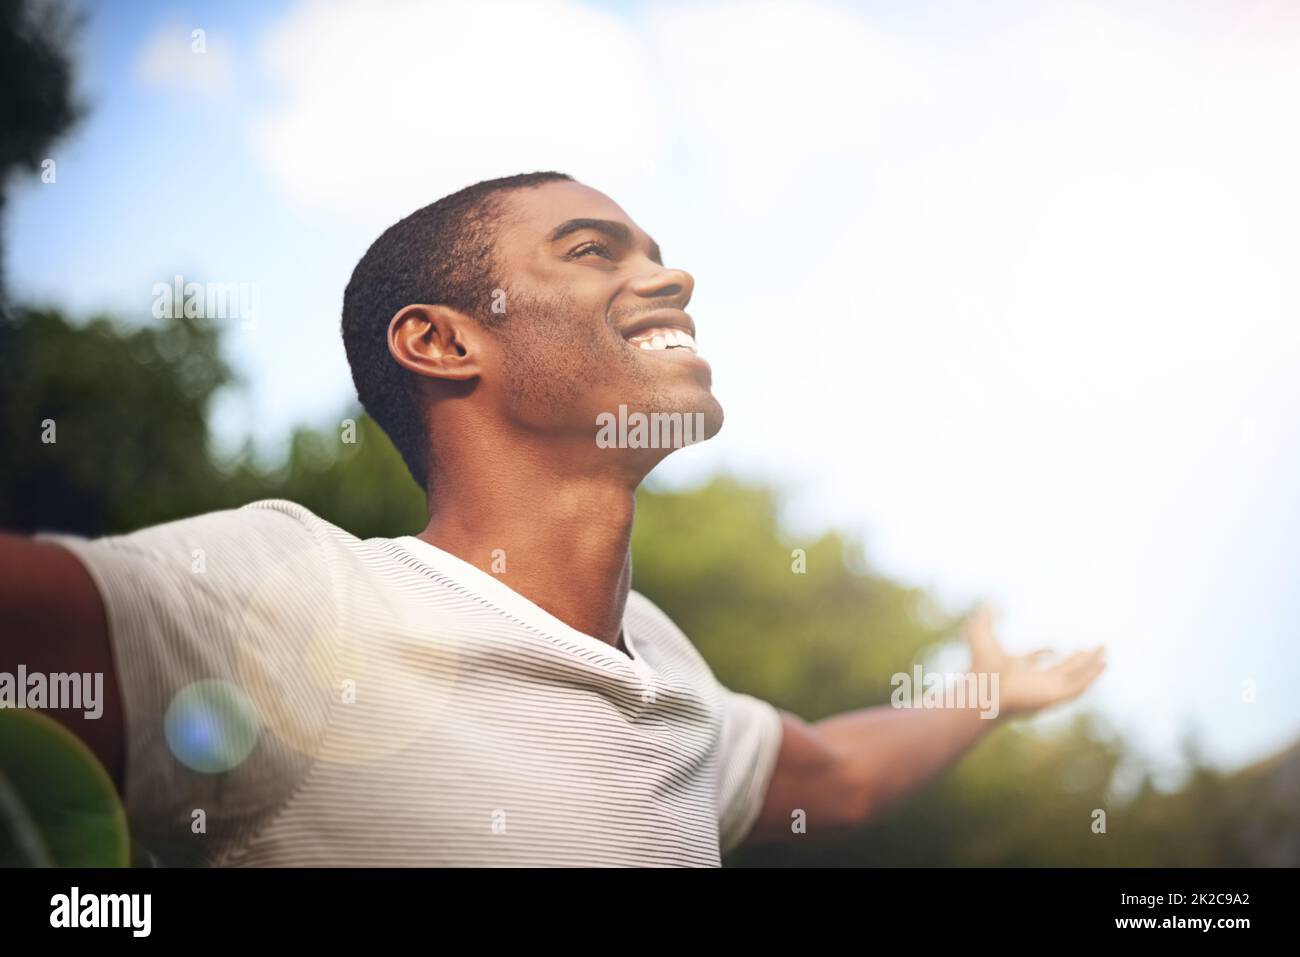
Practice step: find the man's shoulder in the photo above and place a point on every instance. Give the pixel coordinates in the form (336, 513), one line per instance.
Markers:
(650, 624)
(639, 606)
(266, 528)
(267, 515)
(273, 512)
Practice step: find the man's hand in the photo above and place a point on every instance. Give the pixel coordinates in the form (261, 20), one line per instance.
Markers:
(843, 771)
(1025, 685)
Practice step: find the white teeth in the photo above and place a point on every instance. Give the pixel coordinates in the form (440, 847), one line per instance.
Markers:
(666, 339)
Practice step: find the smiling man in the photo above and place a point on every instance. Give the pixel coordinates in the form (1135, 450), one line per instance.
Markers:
(489, 690)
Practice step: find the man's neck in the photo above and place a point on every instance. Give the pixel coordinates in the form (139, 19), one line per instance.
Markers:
(563, 542)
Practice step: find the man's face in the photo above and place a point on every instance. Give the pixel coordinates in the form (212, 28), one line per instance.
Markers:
(591, 317)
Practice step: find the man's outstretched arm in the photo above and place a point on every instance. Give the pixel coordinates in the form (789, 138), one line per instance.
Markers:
(843, 771)
(52, 621)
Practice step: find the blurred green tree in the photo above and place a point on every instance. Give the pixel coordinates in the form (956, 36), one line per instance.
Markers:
(37, 102)
(105, 428)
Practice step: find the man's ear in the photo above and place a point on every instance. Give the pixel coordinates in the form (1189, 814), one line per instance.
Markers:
(435, 341)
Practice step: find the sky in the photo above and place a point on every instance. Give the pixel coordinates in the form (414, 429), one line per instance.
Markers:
(1007, 289)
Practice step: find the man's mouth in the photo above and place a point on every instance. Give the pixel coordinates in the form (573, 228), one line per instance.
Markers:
(663, 330)
(662, 338)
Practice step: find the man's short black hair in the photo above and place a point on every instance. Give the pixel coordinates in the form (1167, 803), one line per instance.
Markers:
(442, 254)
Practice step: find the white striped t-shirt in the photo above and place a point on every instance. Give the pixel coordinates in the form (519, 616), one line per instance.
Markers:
(294, 695)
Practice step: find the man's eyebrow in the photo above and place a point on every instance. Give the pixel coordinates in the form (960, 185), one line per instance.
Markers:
(611, 228)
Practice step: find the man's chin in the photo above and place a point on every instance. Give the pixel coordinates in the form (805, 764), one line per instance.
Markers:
(659, 425)
(702, 410)
(713, 417)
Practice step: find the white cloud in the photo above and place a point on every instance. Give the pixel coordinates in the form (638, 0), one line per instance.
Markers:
(769, 95)
(185, 59)
(382, 114)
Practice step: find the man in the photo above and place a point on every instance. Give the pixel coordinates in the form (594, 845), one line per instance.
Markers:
(489, 691)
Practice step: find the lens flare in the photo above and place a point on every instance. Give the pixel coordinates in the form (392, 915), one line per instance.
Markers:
(211, 726)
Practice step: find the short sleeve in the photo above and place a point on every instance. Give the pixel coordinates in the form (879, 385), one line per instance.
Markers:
(751, 740)
(222, 631)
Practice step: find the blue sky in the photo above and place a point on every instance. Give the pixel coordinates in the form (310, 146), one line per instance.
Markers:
(1011, 293)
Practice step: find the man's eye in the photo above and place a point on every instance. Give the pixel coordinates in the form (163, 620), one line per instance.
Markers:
(599, 249)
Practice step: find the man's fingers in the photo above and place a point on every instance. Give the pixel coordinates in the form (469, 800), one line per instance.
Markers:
(1078, 662)
(979, 631)
(1095, 666)
(1090, 661)
(1078, 671)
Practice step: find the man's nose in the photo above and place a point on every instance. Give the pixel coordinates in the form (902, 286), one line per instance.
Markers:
(675, 285)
